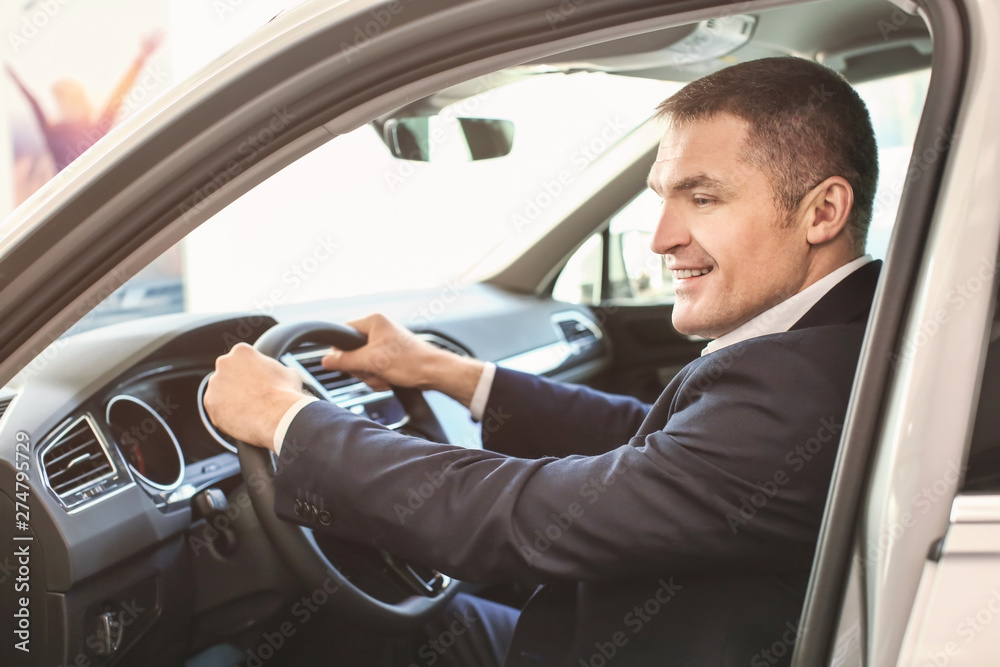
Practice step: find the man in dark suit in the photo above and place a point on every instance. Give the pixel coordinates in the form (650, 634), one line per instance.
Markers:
(681, 534)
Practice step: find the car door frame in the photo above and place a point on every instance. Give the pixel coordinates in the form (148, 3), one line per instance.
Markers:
(884, 458)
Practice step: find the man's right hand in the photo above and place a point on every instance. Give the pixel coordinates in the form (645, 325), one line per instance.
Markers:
(395, 356)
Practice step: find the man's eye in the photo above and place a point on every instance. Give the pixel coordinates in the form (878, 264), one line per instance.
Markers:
(703, 201)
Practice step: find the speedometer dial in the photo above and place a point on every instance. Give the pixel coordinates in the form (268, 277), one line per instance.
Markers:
(133, 454)
(146, 442)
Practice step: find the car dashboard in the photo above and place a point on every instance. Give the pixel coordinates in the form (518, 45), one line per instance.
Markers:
(120, 449)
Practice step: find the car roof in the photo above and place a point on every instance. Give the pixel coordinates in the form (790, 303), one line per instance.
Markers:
(861, 39)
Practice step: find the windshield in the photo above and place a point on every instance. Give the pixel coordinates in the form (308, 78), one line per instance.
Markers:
(350, 219)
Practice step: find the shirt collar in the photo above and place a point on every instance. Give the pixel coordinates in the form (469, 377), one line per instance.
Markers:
(781, 317)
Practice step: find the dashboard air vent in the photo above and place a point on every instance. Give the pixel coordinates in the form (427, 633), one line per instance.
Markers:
(576, 329)
(309, 358)
(77, 465)
(444, 344)
(75, 459)
(331, 380)
(4, 404)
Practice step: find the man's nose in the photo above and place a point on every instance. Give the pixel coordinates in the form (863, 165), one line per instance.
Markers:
(671, 231)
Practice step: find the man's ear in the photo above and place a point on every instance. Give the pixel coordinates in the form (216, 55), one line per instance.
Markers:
(825, 209)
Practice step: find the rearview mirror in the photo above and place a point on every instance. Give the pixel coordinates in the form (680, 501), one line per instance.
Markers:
(447, 139)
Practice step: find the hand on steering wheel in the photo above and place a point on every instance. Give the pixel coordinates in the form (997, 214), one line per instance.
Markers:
(297, 545)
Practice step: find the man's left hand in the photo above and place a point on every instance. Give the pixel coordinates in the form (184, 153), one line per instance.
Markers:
(249, 393)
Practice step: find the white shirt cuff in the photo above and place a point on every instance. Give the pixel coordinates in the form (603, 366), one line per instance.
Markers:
(286, 420)
(477, 406)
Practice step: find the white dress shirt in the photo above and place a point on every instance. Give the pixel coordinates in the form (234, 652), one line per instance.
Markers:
(782, 316)
(773, 320)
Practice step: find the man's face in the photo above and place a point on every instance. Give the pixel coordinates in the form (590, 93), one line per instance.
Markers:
(720, 231)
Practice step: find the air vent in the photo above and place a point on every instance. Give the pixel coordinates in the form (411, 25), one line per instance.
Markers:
(77, 465)
(444, 344)
(332, 381)
(76, 460)
(576, 329)
(336, 383)
(4, 404)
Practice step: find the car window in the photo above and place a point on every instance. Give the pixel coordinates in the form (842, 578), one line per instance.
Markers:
(983, 463)
(351, 219)
(636, 276)
(895, 104)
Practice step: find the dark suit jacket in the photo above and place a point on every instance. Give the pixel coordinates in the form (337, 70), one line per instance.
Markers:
(688, 544)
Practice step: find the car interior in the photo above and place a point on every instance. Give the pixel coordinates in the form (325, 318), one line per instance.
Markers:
(154, 548)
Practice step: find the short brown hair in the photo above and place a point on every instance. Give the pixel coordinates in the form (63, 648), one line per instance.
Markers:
(806, 123)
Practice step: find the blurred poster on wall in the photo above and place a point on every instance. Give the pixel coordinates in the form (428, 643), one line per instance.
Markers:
(73, 70)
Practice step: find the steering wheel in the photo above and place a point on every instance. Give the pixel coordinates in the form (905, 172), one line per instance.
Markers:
(297, 544)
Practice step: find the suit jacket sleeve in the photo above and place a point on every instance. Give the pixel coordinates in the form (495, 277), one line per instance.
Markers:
(555, 419)
(736, 480)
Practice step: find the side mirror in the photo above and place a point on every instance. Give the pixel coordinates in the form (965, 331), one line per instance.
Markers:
(446, 139)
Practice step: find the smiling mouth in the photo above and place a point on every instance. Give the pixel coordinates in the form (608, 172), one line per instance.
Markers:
(684, 274)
